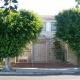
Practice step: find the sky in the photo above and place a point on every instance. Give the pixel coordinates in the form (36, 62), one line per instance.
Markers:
(46, 7)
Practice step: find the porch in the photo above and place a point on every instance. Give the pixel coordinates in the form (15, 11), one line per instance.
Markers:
(43, 65)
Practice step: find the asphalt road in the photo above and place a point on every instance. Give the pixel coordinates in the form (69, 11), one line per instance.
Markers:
(45, 77)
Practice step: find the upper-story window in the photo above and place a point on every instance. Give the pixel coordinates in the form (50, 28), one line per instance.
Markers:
(53, 27)
(44, 27)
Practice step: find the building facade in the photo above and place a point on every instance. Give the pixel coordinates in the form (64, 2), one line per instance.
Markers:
(40, 51)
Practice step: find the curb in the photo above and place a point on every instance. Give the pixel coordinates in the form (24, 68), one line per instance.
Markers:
(41, 71)
(36, 73)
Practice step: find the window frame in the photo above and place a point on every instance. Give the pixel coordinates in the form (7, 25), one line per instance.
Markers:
(53, 27)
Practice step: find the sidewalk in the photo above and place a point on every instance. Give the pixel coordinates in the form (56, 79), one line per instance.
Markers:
(41, 71)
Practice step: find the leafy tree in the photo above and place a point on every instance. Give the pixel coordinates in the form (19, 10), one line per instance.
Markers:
(10, 4)
(16, 31)
(7, 9)
(68, 28)
(78, 3)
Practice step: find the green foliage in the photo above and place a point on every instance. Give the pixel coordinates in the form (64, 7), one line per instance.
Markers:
(78, 3)
(9, 5)
(17, 30)
(33, 23)
(68, 28)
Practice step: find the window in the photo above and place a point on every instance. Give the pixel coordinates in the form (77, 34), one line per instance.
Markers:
(53, 27)
(44, 27)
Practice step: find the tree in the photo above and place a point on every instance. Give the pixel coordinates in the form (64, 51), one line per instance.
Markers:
(78, 3)
(68, 29)
(7, 9)
(10, 4)
(16, 31)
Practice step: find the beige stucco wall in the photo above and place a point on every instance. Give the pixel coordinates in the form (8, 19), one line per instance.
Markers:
(70, 55)
(48, 34)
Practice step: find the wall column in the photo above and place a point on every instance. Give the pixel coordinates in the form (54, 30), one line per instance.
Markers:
(47, 50)
(15, 60)
(32, 52)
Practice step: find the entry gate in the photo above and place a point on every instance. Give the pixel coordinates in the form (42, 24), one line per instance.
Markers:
(59, 55)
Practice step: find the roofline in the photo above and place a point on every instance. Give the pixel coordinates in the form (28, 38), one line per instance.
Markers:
(47, 17)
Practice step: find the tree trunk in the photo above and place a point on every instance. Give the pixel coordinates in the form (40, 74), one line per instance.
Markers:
(7, 68)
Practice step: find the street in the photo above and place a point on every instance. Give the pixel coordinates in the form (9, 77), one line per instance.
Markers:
(45, 77)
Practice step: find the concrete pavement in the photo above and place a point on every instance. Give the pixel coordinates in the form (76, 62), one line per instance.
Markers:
(41, 71)
(42, 77)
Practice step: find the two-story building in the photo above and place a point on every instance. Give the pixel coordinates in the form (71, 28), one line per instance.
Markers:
(41, 51)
